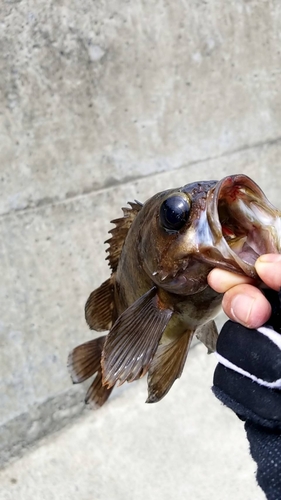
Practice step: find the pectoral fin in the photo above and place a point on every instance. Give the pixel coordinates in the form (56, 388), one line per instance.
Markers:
(133, 340)
(208, 335)
(167, 366)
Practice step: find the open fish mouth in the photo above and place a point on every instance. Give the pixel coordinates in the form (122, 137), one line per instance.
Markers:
(228, 227)
(243, 225)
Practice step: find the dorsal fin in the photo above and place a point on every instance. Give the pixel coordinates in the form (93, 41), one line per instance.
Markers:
(100, 308)
(119, 233)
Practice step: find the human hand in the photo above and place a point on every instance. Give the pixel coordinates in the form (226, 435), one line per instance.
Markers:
(250, 351)
(243, 302)
(247, 378)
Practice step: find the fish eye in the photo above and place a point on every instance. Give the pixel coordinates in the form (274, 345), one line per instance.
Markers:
(174, 213)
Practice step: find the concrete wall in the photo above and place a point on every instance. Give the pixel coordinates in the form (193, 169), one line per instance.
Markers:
(100, 103)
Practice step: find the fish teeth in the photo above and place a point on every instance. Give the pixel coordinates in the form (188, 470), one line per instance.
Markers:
(155, 273)
(164, 276)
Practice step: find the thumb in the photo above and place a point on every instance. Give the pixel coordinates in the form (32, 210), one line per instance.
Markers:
(268, 267)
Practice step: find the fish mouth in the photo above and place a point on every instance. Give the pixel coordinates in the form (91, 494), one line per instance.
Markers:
(240, 225)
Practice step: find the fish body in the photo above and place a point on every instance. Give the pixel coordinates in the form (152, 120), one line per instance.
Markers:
(157, 296)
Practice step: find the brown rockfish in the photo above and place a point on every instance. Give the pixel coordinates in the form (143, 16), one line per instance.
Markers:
(157, 296)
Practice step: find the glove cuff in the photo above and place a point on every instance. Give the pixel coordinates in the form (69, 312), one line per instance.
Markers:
(249, 400)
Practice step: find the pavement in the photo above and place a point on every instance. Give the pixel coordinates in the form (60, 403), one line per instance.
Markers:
(188, 446)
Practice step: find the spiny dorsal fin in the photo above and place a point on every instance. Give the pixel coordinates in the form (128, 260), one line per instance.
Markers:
(119, 233)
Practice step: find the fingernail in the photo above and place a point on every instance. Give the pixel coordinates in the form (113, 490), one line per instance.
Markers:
(241, 308)
(269, 258)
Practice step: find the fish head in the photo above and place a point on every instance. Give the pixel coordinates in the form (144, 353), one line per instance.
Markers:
(188, 231)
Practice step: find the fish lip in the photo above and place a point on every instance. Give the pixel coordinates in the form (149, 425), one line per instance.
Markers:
(252, 199)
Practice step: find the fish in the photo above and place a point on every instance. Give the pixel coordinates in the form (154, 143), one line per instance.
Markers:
(157, 296)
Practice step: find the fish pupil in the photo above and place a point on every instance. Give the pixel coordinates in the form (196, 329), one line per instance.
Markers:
(174, 213)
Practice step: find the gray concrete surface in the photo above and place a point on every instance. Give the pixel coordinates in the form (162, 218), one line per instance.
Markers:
(52, 258)
(102, 103)
(186, 446)
(94, 94)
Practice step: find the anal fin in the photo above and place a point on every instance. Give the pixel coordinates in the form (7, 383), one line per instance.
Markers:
(167, 366)
(208, 335)
(133, 340)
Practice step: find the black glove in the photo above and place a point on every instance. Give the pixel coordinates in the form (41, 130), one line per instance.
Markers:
(248, 380)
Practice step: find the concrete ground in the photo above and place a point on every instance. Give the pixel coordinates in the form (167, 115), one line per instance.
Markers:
(188, 446)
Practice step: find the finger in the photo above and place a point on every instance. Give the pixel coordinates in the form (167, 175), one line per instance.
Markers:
(221, 280)
(268, 267)
(247, 305)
